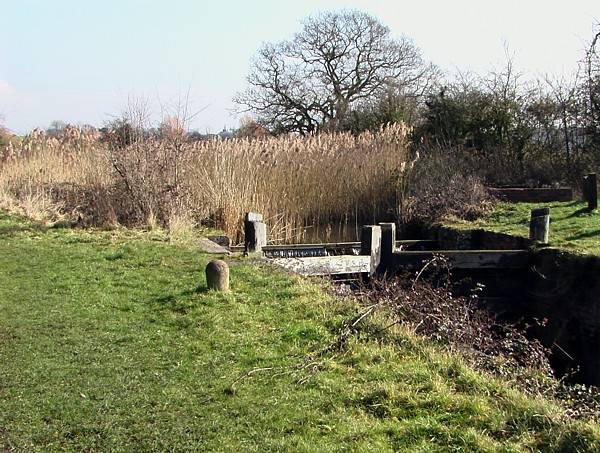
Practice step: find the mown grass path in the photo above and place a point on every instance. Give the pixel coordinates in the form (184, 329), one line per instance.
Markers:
(108, 342)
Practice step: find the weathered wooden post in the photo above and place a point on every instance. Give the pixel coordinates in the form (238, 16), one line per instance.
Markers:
(217, 275)
(388, 245)
(255, 233)
(370, 244)
(590, 191)
(539, 225)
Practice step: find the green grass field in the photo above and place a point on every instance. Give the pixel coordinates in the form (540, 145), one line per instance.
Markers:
(109, 342)
(572, 227)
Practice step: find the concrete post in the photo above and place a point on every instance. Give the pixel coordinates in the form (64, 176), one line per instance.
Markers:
(539, 225)
(388, 245)
(590, 191)
(217, 275)
(370, 244)
(253, 217)
(255, 233)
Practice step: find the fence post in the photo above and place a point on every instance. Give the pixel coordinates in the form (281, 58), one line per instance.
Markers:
(388, 245)
(590, 191)
(539, 225)
(370, 244)
(255, 233)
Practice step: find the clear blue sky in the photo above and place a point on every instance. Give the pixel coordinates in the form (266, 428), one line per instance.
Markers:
(78, 61)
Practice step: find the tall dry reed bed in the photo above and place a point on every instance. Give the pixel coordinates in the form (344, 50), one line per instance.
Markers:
(328, 181)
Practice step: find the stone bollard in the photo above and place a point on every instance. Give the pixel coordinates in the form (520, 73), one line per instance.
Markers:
(217, 275)
(539, 225)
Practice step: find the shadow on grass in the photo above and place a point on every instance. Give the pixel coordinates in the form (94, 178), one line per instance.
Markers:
(13, 224)
(583, 235)
(578, 213)
(185, 293)
(12, 229)
(181, 301)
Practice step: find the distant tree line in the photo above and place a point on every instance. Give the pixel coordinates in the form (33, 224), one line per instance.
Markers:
(343, 71)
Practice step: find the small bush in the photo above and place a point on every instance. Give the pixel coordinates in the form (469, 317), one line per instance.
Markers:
(437, 186)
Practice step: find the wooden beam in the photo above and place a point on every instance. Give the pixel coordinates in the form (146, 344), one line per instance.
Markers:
(336, 245)
(346, 245)
(305, 252)
(468, 259)
(404, 244)
(326, 265)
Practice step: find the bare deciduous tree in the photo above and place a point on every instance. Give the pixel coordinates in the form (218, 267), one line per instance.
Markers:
(591, 91)
(337, 61)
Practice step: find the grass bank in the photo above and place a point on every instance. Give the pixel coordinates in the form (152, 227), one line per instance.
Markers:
(108, 342)
(572, 227)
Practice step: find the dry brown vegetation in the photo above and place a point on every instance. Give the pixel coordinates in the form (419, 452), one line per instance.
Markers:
(328, 181)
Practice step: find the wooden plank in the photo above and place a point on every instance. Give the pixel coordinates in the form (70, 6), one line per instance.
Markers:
(347, 245)
(295, 252)
(468, 259)
(326, 265)
(308, 250)
(328, 246)
(334, 245)
(402, 245)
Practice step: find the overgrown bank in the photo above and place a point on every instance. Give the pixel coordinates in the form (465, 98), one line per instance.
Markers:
(108, 342)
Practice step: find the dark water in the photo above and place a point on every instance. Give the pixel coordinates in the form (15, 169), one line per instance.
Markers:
(342, 232)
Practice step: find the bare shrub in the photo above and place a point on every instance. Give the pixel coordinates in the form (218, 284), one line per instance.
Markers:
(437, 185)
(538, 166)
(464, 326)
(459, 322)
